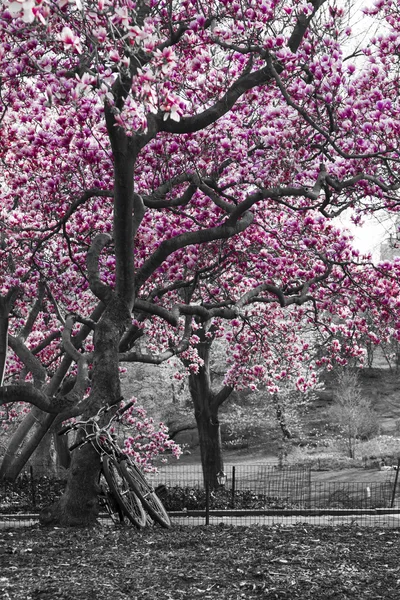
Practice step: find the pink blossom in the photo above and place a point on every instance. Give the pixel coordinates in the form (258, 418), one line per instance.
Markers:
(26, 6)
(71, 40)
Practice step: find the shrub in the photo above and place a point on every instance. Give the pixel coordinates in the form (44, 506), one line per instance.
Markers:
(29, 495)
(318, 459)
(382, 446)
(189, 498)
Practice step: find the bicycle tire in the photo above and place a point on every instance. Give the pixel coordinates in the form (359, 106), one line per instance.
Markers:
(146, 493)
(123, 492)
(108, 501)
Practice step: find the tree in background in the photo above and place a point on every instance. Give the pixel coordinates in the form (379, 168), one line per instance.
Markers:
(139, 142)
(351, 412)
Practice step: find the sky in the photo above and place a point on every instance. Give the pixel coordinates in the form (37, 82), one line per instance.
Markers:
(370, 236)
(375, 230)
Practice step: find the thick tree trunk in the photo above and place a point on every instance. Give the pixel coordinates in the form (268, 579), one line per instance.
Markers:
(78, 507)
(79, 504)
(206, 405)
(210, 446)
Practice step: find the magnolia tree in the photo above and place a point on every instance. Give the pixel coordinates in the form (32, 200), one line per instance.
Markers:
(269, 343)
(145, 147)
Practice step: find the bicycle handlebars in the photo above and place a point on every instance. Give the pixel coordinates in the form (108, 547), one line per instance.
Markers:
(93, 419)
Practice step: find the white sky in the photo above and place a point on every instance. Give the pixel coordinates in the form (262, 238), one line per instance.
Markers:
(377, 229)
(374, 231)
(370, 237)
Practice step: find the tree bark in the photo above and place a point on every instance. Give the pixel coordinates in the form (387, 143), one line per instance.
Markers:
(210, 444)
(43, 460)
(38, 432)
(280, 416)
(16, 440)
(78, 506)
(206, 406)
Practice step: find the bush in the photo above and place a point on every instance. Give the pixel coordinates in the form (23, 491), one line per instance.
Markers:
(319, 460)
(238, 443)
(382, 446)
(189, 498)
(28, 494)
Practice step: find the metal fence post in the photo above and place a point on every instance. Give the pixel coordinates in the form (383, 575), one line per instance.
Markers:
(207, 502)
(395, 484)
(233, 489)
(33, 491)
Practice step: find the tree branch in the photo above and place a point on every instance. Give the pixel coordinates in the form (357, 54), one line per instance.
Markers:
(32, 364)
(99, 289)
(25, 392)
(197, 122)
(6, 303)
(228, 229)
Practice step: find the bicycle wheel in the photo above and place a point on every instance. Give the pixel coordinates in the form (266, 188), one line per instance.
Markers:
(108, 502)
(123, 492)
(146, 493)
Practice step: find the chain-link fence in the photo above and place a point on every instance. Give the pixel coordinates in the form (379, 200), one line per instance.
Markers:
(248, 494)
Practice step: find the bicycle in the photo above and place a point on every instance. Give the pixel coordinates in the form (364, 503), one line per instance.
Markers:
(129, 493)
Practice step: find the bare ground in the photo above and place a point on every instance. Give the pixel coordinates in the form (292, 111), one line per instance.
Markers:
(217, 562)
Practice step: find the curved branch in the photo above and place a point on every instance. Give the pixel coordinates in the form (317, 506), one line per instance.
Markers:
(157, 200)
(32, 364)
(265, 287)
(155, 309)
(26, 392)
(99, 289)
(66, 338)
(228, 229)
(243, 84)
(74, 397)
(62, 370)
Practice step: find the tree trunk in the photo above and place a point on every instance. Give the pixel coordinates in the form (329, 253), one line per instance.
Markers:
(281, 418)
(210, 446)
(43, 460)
(206, 405)
(78, 506)
(63, 455)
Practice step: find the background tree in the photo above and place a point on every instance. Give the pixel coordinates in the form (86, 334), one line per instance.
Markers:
(351, 412)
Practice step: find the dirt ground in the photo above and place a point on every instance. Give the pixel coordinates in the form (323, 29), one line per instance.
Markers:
(217, 562)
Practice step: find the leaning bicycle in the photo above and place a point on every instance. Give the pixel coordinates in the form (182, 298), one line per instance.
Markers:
(129, 493)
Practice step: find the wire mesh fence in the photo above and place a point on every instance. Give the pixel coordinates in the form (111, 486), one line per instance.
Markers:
(250, 494)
